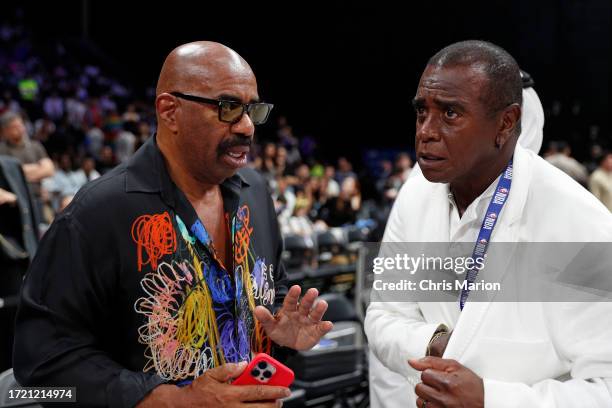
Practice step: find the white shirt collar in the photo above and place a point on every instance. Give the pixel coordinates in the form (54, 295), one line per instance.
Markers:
(465, 229)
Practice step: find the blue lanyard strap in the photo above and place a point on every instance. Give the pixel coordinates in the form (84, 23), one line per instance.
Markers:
(486, 229)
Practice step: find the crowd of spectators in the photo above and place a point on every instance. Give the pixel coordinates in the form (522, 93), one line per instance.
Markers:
(86, 122)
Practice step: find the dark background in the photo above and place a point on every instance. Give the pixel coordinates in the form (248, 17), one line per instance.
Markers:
(345, 73)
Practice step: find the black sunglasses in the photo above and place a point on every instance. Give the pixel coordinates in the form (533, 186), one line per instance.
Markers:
(232, 111)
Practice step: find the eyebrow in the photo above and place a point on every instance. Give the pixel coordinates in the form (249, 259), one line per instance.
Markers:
(419, 102)
(234, 98)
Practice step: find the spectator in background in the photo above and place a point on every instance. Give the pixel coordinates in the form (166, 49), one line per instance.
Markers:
(284, 201)
(596, 154)
(106, 161)
(125, 143)
(403, 165)
(282, 167)
(290, 142)
(94, 140)
(143, 134)
(62, 183)
(32, 155)
(342, 210)
(332, 188)
(130, 114)
(86, 173)
(345, 169)
(600, 182)
(75, 111)
(54, 106)
(559, 154)
(265, 164)
(94, 116)
(107, 104)
(44, 128)
(302, 175)
(300, 223)
(303, 199)
(384, 172)
(401, 172)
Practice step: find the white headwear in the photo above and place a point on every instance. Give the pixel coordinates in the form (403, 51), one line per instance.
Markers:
(532, 121)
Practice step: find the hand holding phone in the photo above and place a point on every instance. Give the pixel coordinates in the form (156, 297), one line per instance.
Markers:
(212, 389)
(265, 370)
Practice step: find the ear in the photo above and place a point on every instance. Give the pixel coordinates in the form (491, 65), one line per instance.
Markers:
(509, 121)
(166, 107)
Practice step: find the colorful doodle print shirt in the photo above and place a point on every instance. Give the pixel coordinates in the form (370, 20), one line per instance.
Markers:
(126, 291)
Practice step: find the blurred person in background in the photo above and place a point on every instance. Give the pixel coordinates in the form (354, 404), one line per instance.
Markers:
(54, 106)
(332, 188)
(32, 155)
(62, 182)
(299, 223)
(265, 164)
(600, 182)
(401, 172)
(343, 209)
(302, 175)
(596, 153)
(125, 143)
(344, 170)
(106, 161)
(559, 154)
(284, 202)
(86, 173)
(143, 134)
(282, 167)
(290, 142)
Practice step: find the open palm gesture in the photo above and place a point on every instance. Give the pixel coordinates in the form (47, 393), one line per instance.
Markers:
(297, 324)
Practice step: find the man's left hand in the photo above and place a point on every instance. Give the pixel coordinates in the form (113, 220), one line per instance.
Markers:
(446, 384)
(296, 325)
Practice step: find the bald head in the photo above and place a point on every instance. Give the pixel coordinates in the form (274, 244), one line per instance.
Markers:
(197, 63)
(201, 146)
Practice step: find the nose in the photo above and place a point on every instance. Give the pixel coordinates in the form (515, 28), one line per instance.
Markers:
(427, 129)
(244, 126)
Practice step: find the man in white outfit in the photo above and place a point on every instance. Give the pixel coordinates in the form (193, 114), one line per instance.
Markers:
(387, 387)
(490, 354)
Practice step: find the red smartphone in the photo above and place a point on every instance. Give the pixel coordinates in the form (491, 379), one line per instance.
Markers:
(265, 370)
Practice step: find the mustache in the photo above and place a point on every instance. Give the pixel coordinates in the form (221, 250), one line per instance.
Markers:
(236, 140)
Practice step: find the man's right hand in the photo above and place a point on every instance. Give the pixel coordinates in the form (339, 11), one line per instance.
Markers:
(212, 389)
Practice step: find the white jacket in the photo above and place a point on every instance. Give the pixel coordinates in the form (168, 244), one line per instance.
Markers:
(519, 349)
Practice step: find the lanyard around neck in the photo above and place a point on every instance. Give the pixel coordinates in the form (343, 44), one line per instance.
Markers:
(486, 229)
